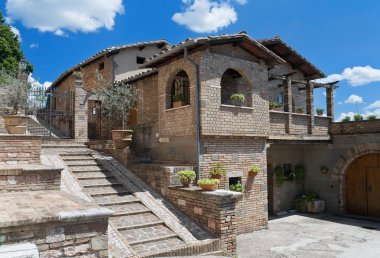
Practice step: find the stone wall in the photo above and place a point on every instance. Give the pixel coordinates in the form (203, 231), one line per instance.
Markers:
(29, 178)
(215, 211)
(20, 149)
(356, 127)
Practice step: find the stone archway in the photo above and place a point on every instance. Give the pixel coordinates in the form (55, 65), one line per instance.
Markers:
(346, 159)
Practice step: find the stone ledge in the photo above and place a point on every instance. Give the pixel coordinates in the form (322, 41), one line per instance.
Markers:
(236, 107)
(216, 193)
(8, 170)
(19, 137)
(45, 207)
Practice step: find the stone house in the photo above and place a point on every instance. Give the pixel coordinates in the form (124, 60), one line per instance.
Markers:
(112, 64)
(186, 118)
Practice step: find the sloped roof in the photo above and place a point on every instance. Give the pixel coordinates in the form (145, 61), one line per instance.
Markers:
(242, 39)
(142, 74)
(104, 52)
(295, 59)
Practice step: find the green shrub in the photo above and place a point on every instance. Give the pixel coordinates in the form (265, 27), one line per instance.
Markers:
(346, 119)
(274, 104)
(218, 170)
(208, 181)
(237, 97)
(237, 187)
(254, 169)
(358, 117)
(372, 117)
(279, 172)
(186, 174)
(320, 110)
(307, 197)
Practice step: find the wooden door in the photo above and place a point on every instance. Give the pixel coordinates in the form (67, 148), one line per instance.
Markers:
(373, 191)
(94, 120)
(363, 186)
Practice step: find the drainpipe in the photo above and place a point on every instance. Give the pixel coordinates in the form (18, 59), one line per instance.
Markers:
(197, 110)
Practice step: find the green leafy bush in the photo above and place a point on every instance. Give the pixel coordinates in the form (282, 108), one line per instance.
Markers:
(208, 181)
(279, 172)
(358, 117)
(254, 169)
(372, 117)
(237, 187)
(346, 119)
(302, 201)
(273, 104)
(237, 97)
(186, 174)
(218, 170)
(320, 110)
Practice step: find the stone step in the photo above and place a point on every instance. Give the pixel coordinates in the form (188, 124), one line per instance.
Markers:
(135, 221)
(93, 175)
(158, 246)
(80, 163)
(128, 208)
(76, 169)
(75, 158)
(99, 182)
(147, 234)
(216, 253)
(107, 200)
(75, 154)
(117, 190)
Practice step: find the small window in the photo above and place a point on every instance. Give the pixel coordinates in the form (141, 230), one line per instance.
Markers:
(180, 91)
(234, 89)
(140, 60)
(101, 66)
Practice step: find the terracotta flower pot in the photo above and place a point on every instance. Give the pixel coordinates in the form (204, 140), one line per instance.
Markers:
(208, 187)
(121, 138)
(216, 176)
(16, 124)
(320, 114)
(276, 108)
(252, 174)
(185, 181)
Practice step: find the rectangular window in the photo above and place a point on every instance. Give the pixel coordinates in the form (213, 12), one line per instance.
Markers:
(101, 66)
(140, 60)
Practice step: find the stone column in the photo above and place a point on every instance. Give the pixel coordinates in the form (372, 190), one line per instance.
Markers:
(80, 113)
(330, 101)
(288, 101)
(310, 105)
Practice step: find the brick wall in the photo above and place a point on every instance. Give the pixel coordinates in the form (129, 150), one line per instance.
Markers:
(356, 127)
(20, 149)
(300, 123)
(278, 122)
(29, 178)
(321, 125)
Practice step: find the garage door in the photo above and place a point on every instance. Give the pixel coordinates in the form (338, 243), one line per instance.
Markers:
(363, 186)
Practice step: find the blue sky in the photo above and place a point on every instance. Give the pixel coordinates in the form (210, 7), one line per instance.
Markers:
(340, 37)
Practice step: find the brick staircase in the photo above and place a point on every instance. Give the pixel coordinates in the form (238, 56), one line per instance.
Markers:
(140, 219)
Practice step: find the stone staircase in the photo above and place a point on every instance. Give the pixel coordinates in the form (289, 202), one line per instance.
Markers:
(139, 219)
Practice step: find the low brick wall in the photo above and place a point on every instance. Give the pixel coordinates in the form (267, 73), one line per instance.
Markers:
(300, 123)
(29, 178)
(278, 122)
(356, 127)
(215, 211)
(321, 125)
(19, 149)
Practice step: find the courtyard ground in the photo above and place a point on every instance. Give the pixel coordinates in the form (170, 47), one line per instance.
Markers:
(313, 236)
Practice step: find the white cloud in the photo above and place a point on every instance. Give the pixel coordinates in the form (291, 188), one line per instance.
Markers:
(343, 115)
(365, 115)
(354, 99)
(356, 76)
(242, 2)
(374, 105)
(60, 16)
(205, 16)
(17, 33)
(36, 84)
(33, 45)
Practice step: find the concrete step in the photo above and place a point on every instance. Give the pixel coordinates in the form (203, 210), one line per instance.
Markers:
(81, 163)
(159, 246)
(99, 182)
(134, 221)
(107, 200)
(116, 190)
(76, 169)
(74, 158)
(216, 253)
(128, 208)
(147, 234)
(93, 175)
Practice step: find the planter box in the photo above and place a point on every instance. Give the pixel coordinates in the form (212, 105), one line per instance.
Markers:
(177, 104)
(312, 207)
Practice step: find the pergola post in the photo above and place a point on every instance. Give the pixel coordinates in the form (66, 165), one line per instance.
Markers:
(330, 101)
(310, 105)
(80, 112)
(288, 101)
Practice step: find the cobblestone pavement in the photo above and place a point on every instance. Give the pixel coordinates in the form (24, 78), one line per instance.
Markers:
(317, 236)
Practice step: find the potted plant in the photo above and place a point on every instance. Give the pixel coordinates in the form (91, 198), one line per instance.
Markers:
(309, 202)
(238, 187)
(186, 177)
(117, 101)
(254, 170)
(320, 111)
(208, 184)
(16, 101)
(178, 100)
(273, 105)
(218, 171)
(300, 110)
(237, 99)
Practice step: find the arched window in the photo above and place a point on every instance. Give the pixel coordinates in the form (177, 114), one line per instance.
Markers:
(234, 89)
(180, 90)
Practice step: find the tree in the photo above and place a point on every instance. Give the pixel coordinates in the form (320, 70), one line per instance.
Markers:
(10, 53)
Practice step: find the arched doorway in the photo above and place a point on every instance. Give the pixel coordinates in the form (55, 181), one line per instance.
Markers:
(362, 186)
